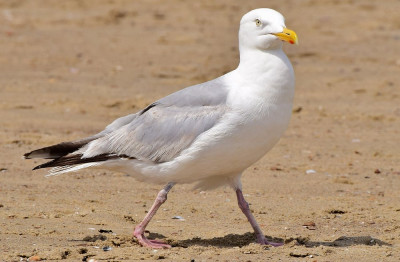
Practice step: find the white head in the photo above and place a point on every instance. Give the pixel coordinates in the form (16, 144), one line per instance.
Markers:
(264, 29)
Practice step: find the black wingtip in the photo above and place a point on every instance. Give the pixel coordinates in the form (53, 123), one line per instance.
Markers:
(26, 155)
(56, 151)
(41, 166)
(74, 160)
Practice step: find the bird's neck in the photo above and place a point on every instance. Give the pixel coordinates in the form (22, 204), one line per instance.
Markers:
(260, 66)
(268, 73)
(262, 60)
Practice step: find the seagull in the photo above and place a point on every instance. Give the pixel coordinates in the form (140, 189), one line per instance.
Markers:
(208, 134)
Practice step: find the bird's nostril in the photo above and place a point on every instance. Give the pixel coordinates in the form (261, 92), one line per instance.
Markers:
(288, 33)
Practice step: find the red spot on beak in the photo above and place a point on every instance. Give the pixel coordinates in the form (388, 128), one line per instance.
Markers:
(291, 41)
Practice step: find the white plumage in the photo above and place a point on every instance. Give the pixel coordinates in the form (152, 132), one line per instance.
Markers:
(207, 133)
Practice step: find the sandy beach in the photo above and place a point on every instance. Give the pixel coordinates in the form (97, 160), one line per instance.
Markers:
(330, 189)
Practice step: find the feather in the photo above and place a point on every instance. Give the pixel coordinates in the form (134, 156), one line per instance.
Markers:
(72, 160)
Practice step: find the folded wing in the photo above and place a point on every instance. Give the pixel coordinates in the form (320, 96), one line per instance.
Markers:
(158, 133)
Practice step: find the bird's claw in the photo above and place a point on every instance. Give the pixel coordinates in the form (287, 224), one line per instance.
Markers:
(143, 241)
(274, 244)
(264, 241)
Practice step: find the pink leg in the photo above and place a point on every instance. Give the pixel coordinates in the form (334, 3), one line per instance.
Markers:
(244, 206)
(139, 229)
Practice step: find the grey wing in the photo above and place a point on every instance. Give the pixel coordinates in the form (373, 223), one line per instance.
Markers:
(165, 128)
(211, 93)
(117, 123)
(158, 135)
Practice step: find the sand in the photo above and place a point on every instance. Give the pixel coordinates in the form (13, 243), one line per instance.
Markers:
(330, 189)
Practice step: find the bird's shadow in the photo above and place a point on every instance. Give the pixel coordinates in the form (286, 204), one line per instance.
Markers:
(344, 241)
(228, 241)
(236, 240)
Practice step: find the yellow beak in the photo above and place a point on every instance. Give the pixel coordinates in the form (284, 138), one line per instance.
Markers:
(288, 36)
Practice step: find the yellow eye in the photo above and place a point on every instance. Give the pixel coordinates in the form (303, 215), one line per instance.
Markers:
(258, 22)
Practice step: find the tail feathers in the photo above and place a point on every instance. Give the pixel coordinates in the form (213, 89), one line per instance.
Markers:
(59, 150)
(72, 160)
(55, 171)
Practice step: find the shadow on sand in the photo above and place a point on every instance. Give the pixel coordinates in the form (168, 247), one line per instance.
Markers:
(231, 240)
(235, 240)
(344, 241)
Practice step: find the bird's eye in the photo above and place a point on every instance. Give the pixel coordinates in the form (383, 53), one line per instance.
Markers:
(258, 22)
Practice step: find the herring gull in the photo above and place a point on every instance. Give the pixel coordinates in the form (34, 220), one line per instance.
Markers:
(207, 133)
